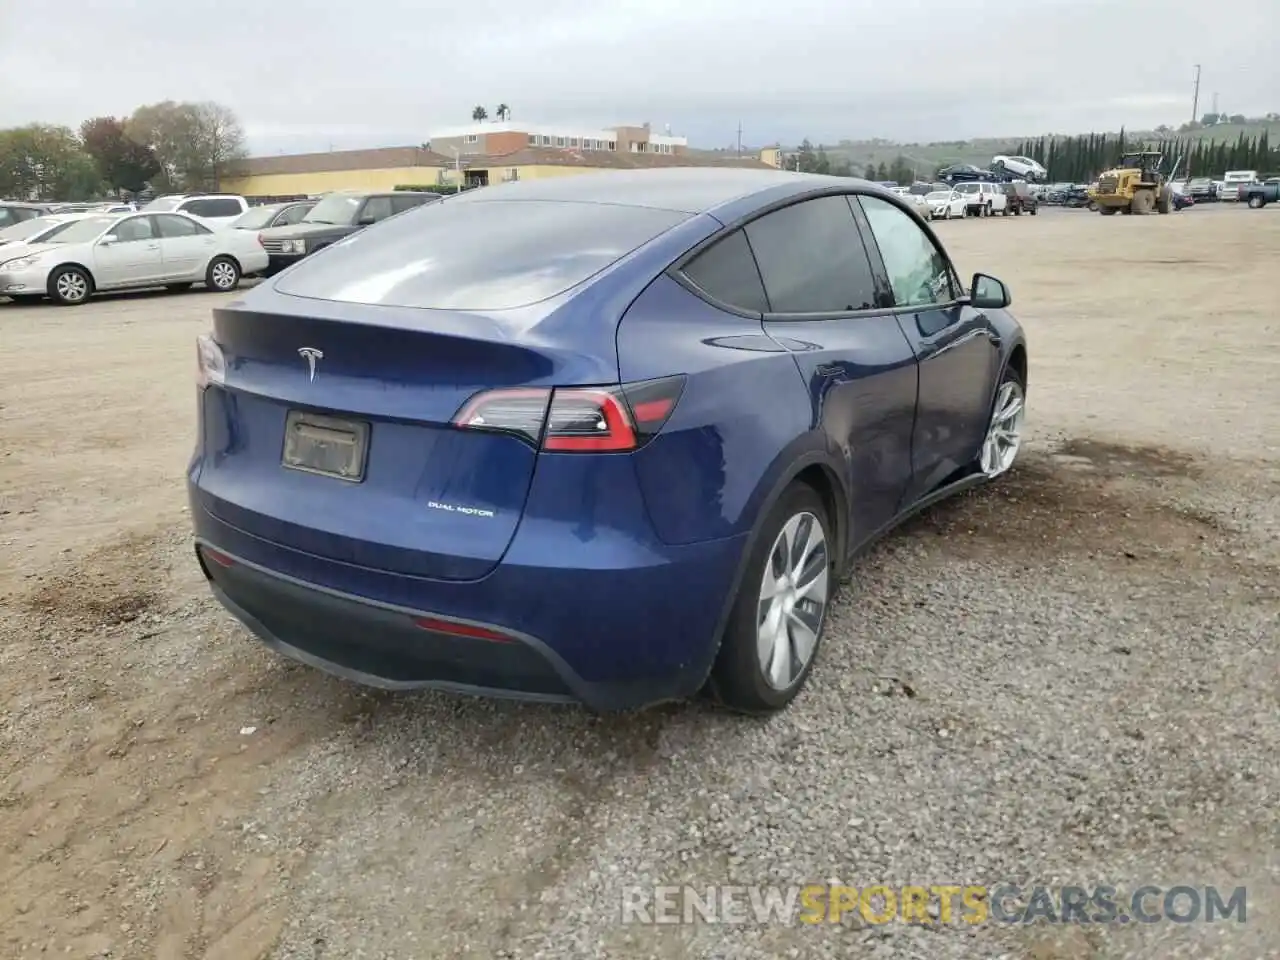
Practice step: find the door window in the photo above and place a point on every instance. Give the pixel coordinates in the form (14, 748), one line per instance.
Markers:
(727, 271)
(134, 229)
(918, 272)
(401, 204)
(171, 227)
(811, 258)
(376, 208)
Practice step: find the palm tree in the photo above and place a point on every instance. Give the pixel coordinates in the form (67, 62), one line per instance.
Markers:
(479, 114)
(504, 112)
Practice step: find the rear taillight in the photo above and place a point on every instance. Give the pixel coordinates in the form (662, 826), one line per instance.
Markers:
(211, 366)
(576, 419)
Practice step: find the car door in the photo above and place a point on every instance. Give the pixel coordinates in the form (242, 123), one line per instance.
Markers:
(185, 246)
(957, 347)
(824, 307)
(128, 255)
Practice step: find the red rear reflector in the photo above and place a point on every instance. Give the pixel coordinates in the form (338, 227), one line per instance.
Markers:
(221, 559)
(613, 419)
(461, 630)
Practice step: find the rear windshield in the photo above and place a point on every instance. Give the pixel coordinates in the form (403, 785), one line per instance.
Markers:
(477, 255)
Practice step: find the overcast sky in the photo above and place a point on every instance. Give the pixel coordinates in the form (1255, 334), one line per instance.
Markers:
(315, 74)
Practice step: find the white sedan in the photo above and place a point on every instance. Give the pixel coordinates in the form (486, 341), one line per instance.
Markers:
(127, 252)
(1023, 167)
(945, 204)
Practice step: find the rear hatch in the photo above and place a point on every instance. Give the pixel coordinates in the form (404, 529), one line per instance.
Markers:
(332, 432)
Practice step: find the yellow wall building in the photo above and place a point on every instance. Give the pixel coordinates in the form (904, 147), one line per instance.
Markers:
(386, 168)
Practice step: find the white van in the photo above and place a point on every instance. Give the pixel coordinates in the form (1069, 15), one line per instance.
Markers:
(1233, 180)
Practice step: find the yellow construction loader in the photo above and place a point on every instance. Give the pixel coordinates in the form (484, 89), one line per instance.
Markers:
(1135, 186)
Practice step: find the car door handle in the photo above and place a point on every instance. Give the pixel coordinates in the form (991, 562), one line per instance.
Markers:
(153, 246)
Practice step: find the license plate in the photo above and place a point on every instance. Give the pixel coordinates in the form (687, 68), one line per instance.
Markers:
(325, 445)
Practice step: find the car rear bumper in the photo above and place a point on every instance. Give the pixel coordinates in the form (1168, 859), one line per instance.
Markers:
(613, 639)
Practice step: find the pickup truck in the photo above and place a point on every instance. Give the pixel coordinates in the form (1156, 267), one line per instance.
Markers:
(1260, 194)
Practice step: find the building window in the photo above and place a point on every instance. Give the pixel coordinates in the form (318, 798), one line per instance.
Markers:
(559, 141)
(546, 141)
(613, 144)
(573, 141)
(471, 138)
(533, 139)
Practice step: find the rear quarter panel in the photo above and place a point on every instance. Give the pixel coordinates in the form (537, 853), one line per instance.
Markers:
(743, 420)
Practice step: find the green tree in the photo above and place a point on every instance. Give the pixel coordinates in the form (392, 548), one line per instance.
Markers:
(806, 159)
(43, 162)
(503, 112)
(870, 172)
(123, 163)
(479, 114)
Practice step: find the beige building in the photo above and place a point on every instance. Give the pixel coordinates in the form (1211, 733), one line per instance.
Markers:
(386, 168)
(485, 138)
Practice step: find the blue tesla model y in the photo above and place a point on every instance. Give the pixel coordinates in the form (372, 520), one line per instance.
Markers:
(608, 438)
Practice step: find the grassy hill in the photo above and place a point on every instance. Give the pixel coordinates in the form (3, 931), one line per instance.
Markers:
(980, 151)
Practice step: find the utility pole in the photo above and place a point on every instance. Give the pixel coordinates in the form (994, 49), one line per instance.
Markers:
(739, 139)
(1195, 97)
(1215, 103)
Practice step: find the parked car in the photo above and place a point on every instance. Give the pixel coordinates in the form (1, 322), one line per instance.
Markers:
(962, 172)
(1020, 198)
(1233, 180)
(1258, 195)
(472, 449)
(1077, 195)
(214, 210)
(37, 229)
(982, 198)
(1202, 189)
(273, 215)
(98, 253)
(946, 204)
(12, 212)
(336, 216)
(1182, 200)
(1023, 167)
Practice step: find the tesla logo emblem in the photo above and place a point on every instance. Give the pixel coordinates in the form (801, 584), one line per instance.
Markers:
(311, 355)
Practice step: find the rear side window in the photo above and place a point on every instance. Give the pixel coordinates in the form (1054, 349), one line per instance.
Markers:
(477, 255)
(217, 207)
(727, 272)
(812, 259)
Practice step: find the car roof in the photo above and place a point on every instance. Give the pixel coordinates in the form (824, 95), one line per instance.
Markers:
(691, 190)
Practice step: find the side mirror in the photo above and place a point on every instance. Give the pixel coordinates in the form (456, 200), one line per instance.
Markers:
(108, 240)
(988, 293)
(366, 221)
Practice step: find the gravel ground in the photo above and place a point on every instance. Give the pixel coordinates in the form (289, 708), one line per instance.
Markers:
(1069, 677)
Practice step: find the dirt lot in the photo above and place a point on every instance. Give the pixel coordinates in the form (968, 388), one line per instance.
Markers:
(1071, 676)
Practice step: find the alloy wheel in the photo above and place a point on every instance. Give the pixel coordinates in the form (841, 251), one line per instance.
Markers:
(793, 600)
(71, 286)
(1004, 435)
(223, 275)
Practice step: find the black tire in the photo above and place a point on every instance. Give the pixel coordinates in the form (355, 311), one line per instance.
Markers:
(1017, 211)
(70, 286)
(737, 678)
(1034, 209)
(222, 275)
(1109, 211)
(177, 287)
(1255, 202)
